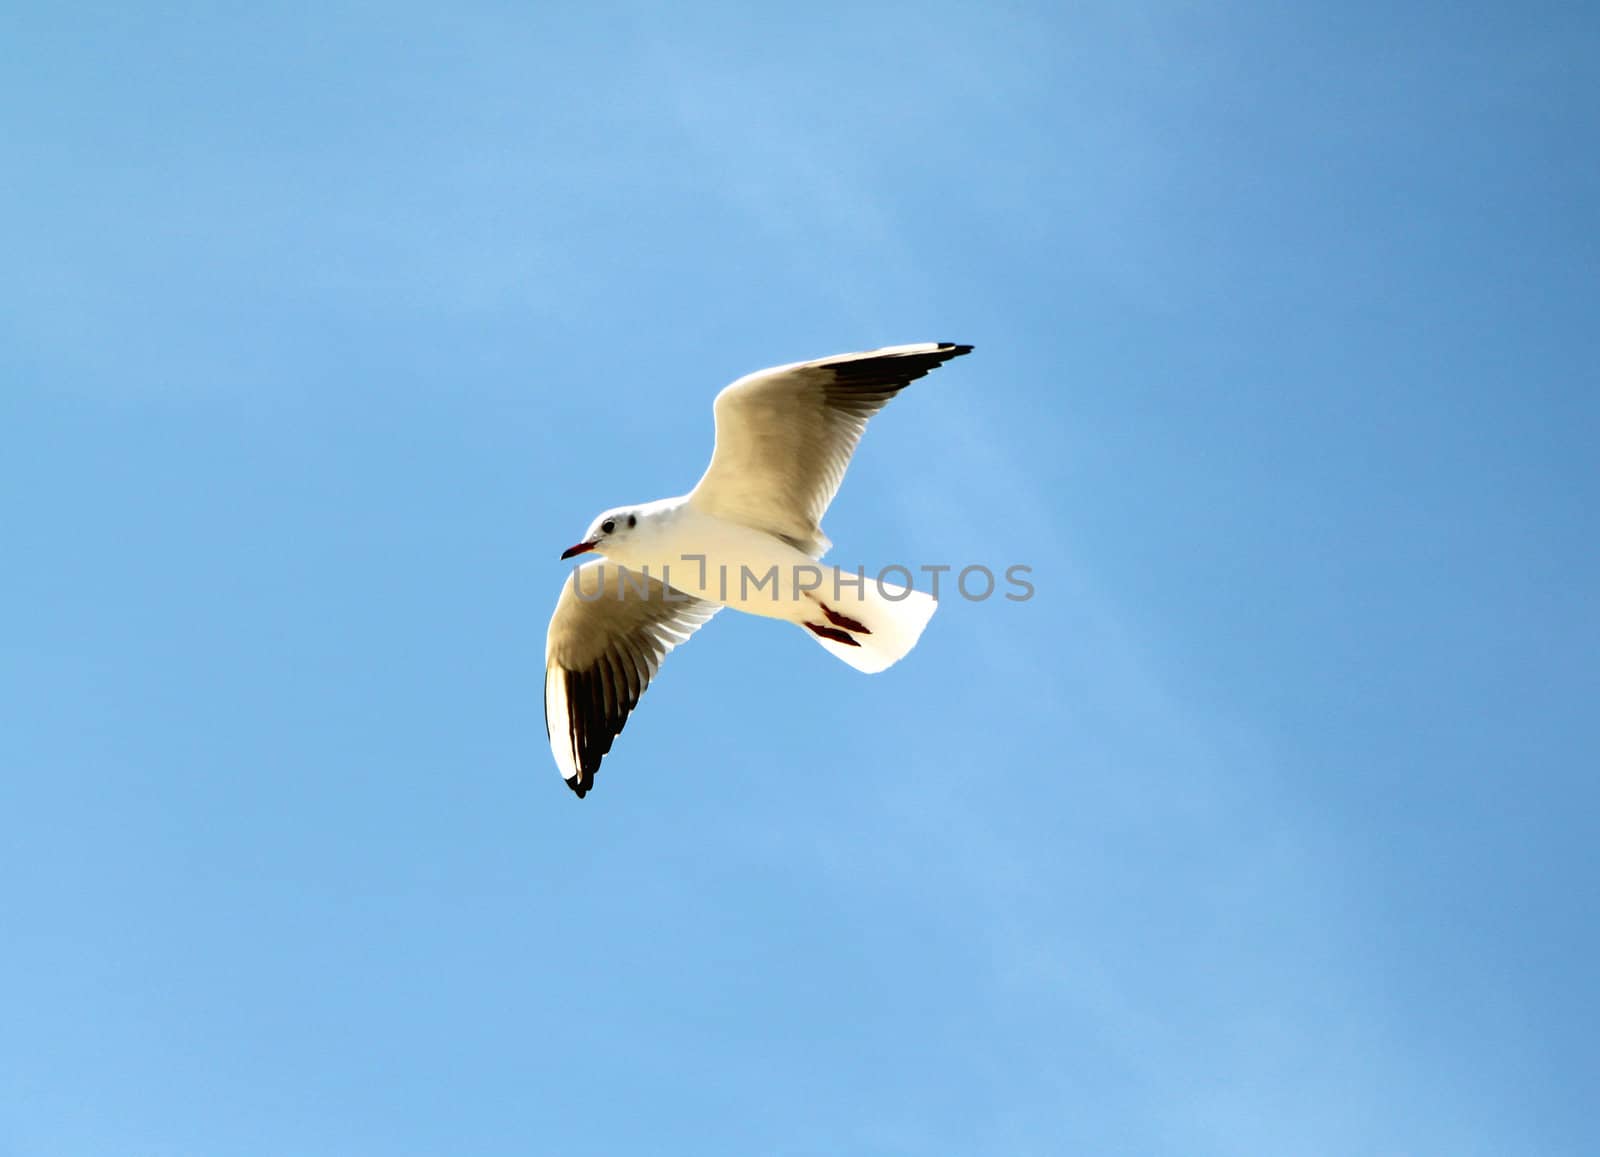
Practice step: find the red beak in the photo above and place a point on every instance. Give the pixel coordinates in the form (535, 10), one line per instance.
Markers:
(581, 548)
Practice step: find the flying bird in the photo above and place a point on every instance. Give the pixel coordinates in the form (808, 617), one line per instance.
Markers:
(748, 536)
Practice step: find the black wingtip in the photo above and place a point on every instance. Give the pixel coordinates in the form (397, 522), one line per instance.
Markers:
(580, 785)
(954, 349)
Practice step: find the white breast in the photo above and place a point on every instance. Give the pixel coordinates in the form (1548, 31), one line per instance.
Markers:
(724, 562)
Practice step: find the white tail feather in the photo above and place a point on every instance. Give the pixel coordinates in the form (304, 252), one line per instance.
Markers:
(894, 617)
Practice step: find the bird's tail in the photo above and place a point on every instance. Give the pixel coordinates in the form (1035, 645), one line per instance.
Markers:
(872, 624)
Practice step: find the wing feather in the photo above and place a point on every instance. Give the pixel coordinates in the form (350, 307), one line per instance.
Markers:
(602, 650)
(785, 436)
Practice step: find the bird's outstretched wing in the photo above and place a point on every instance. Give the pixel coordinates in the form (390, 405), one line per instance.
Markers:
(785, 436)
(610, 631)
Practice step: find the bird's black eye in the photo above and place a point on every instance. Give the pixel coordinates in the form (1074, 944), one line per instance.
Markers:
(633, 521)
(608, 526)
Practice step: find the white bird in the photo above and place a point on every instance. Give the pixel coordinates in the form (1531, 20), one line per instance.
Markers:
(748, 536)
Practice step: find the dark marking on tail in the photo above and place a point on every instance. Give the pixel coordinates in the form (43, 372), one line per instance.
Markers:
(844, 621)
(832, 633)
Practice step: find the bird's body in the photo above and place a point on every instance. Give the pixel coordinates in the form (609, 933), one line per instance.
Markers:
(724, 562)
(748, 537)
(706, 556)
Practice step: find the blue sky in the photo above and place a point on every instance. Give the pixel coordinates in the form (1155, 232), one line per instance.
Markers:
(1266, 827)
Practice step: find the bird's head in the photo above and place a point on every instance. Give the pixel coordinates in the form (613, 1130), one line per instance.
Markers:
(606, 530)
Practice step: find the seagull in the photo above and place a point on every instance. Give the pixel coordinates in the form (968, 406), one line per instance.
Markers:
(748, 536)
